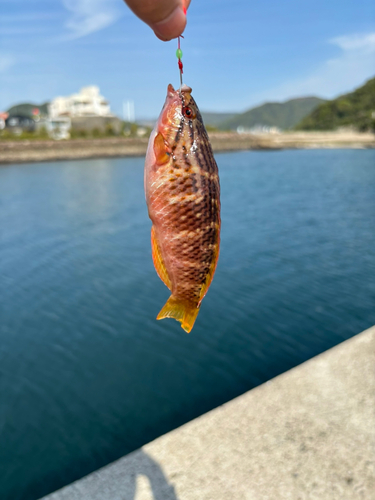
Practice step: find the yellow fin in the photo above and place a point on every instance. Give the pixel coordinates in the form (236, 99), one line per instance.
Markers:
(160, 150)
(183, 312)
(158, 260)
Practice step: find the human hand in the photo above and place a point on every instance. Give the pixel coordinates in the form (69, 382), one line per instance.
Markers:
(166, 17)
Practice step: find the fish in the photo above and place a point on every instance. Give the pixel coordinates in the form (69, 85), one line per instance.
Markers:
(183, 198)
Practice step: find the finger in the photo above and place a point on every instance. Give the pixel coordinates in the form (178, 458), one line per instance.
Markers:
(186, 4)
(166, 17)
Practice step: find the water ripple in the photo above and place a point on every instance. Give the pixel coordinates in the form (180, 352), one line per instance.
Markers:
(87, 373)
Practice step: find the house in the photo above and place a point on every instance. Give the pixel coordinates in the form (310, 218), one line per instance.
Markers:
(59, 128)
(87, 102)
(18, 124)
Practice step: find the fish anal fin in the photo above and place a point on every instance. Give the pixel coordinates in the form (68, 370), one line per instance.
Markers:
(160, 150)
(181, 311)
(158, 260)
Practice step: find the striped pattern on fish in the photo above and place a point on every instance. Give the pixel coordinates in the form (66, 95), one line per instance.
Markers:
(183, 198)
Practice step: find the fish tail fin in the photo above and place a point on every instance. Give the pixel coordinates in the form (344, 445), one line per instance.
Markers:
(181, 311)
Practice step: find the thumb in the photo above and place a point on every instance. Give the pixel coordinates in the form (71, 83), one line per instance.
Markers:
(166, 17)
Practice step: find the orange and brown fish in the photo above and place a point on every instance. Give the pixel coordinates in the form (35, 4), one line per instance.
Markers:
(183, 199)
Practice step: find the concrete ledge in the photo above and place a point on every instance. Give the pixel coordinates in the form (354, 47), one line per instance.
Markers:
(27, 151)
(307, 434)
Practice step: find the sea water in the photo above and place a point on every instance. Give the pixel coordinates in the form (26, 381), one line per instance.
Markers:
(86, 372)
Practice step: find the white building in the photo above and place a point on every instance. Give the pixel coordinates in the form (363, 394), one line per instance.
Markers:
(88, 102)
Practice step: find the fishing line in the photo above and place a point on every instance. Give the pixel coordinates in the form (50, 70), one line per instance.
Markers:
(179, 56)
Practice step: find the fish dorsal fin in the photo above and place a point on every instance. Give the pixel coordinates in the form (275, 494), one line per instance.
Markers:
(158, 260)
(160, 150)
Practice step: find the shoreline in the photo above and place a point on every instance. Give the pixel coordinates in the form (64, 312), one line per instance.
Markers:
(30, 151)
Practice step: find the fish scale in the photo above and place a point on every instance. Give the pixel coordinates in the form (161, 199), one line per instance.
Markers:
(183, 198)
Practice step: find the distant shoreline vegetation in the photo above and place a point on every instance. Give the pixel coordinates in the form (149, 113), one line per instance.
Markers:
(108, 130)
(282, 115)
(353, 111)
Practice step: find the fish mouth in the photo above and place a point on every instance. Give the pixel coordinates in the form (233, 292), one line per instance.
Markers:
(184, 88)
(172, 112)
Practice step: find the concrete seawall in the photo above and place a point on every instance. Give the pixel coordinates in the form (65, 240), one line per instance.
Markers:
(26, 151)
(307, 434)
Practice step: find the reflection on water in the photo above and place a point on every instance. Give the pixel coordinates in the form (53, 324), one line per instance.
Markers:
(87, 374)
(88, 191)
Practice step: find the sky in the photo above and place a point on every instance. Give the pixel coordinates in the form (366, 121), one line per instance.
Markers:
(236, 53)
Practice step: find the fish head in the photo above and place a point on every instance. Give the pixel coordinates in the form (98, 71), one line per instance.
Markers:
(175, 135)
(179, 107)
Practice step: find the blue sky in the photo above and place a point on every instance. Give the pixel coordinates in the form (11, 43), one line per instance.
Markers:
(237, 54)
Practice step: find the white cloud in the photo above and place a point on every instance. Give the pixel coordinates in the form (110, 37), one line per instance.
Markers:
(356, 42)
(351, 68)
(88, 16)
(6, 61)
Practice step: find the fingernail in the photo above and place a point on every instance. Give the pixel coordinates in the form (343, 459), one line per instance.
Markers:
(163, 39)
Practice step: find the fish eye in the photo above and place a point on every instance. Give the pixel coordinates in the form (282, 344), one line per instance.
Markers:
(188, 112)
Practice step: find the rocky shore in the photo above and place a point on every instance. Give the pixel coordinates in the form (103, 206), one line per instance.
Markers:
(27, 151)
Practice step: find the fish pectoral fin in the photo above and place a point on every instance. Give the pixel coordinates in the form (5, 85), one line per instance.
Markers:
(158, 260)
(160, 150)
(181, 311)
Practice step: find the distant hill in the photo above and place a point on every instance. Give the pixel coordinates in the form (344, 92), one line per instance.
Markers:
(284, 115)
(214, 119)
(26, 109)
(356, 109)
